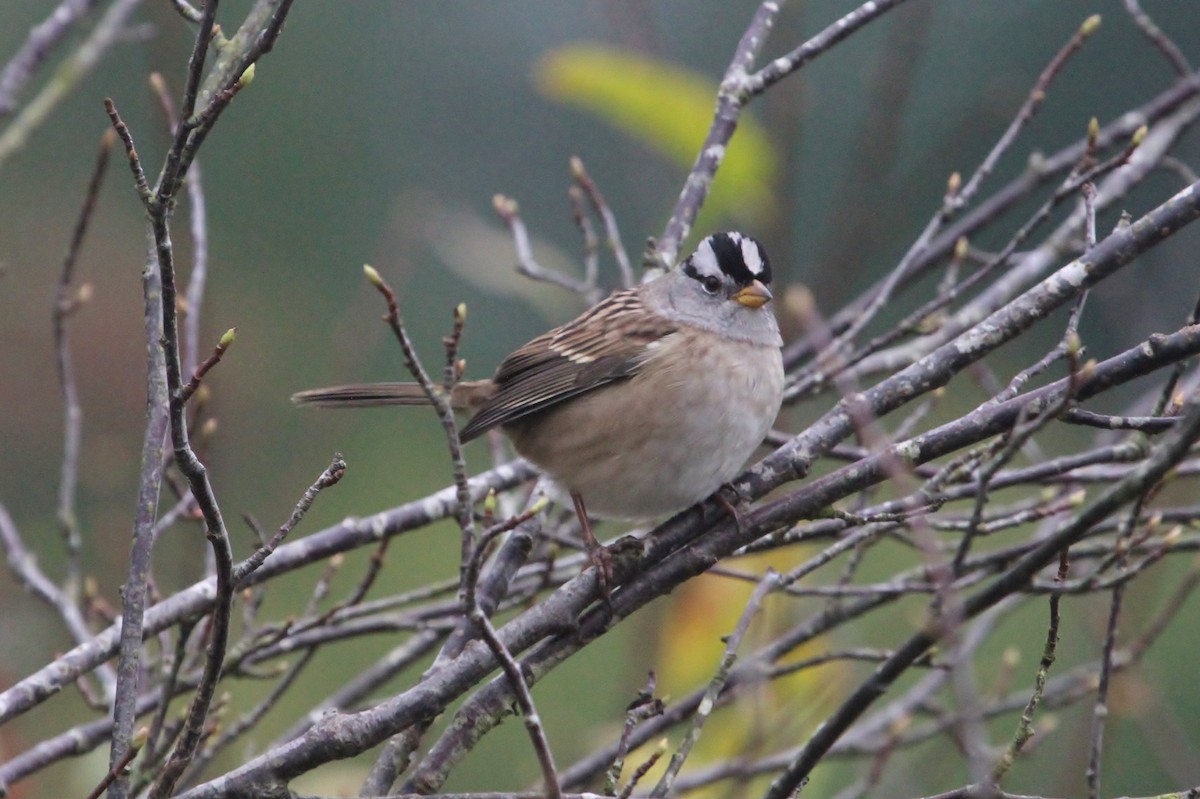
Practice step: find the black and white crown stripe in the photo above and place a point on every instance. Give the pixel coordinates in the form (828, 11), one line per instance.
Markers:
(739, 257)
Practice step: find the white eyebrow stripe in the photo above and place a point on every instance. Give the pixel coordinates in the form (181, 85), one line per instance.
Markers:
(751, 257)
(705, 259)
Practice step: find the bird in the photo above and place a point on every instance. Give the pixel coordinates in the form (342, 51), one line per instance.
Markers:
(645, 404)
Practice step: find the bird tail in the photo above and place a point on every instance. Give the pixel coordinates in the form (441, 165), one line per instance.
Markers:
(465, 396)
(363, 395)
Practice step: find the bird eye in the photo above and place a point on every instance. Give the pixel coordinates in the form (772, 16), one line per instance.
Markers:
(711, 283)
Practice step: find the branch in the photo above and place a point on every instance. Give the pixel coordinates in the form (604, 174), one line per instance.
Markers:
(74, 69)
(738, 87)
(37, 47)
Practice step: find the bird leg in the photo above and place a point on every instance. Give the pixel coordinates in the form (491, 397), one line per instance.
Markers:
(597, 554)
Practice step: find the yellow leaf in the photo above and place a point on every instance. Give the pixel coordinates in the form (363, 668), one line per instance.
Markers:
(667, 108)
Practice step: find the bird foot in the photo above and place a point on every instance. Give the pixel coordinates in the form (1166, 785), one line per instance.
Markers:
(602, 562)
(728, 498)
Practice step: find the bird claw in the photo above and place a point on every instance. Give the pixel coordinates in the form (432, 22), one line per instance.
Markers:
(602, 561)
(728, 498)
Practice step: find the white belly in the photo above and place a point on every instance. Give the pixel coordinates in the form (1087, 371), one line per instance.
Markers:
(661, 446)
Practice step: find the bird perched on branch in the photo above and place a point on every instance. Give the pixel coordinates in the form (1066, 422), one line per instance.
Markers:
(645, 404)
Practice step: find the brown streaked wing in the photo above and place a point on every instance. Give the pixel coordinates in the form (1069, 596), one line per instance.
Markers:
(609, 342)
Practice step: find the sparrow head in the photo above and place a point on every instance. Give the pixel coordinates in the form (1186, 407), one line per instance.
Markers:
(732, 266)
(723, 286)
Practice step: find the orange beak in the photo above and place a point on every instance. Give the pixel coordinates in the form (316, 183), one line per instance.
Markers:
(756, 295)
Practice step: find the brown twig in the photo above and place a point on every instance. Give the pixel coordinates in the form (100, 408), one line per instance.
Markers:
(64, 305)
(507, 209)
(612, 232)
(645, 705)
(189, 135)
(114, 771)
(198, 277)
(332, 475)
(591, 246)
(212, 360)
(439, 398)
(512, 671)
(1024, 729)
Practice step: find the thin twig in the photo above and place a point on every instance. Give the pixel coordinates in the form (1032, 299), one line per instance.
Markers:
(189, 135)
(957, 197)
(212, 360)
(769, 582)
(119, 767)
(735, 91)
(611, 231)
(1161, 41)
(187, 10)
(133, 605)
(1164, 456)
(24, 567)
(331, 476)
(198, 276)
(645, 705)
(591, 247)
(73, 69)
(527, 265)
(439, 398)
(64, 305)
(512, 671)
(1024, 729)
(37, 46)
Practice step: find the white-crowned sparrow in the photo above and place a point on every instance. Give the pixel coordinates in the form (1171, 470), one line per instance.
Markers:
(648, 402)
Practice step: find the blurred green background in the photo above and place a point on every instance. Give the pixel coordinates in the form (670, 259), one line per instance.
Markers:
(378, 132)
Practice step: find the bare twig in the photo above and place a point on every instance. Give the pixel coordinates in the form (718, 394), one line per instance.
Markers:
(527, 265)
(198, 277)
(768, 583)
(1025, 727)
(119, 767)
(37, 47)
(439, 398)
(187, 10)
(64, 305)
(611, 231)
(70, 72)
(189, 135)
(512, 671)
(211, 361)
(591, 247)
(1165, 45)
(738, 86)
(645, 705)
(1164, 456)
(331, 476)
(24, 567)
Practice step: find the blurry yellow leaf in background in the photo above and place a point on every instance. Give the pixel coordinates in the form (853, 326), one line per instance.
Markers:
(776, 713)
(669, 109)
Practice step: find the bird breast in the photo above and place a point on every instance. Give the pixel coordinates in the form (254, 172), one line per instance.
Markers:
(665, 438)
